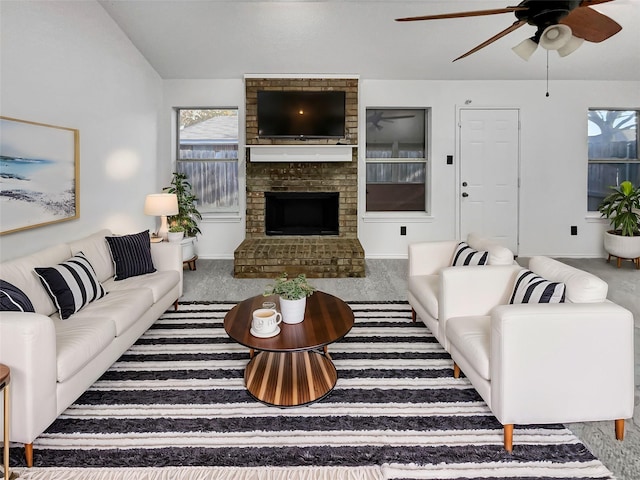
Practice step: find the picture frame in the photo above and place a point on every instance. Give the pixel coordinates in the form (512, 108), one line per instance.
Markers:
(39, 174)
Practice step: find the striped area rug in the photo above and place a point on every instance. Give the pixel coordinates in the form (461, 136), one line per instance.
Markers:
(176, 402)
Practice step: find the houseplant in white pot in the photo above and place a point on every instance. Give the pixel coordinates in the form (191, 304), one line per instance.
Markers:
(176, 233)
(188, 214)
(622, 209)
(293, 294)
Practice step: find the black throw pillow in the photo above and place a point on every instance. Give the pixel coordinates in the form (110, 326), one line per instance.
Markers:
(131, 255)
(12, 299)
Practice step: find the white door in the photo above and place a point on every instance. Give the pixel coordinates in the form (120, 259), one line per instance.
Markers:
(489, 160)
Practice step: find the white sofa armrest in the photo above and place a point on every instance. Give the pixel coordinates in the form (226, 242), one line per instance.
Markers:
(561, 362)
(474, 290)
(168, 256)
(28, 348)
(428, 258)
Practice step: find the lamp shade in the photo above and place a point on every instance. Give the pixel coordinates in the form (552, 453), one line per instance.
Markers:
(571, 46)
(525, 48)
(159, 204)
(555, 37)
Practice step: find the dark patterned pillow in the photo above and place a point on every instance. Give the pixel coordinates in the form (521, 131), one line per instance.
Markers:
(465, 255)
(71, 285)
(12, 299)
(532, 288)
(131, 255)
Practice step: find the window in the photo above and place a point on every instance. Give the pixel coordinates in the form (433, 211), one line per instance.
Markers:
(208, 155)
(396, 160)
(613, 152)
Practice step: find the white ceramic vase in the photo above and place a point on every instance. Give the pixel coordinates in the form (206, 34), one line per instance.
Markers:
(293, 310)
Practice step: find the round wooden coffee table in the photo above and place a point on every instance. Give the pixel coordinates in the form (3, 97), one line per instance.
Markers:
(292, 368)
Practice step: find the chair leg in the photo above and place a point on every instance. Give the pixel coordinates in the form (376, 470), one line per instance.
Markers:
(508, 437)
(619, 262)
(620, 429)
(609, 258)
(28, 454)
(414, 315)
(456, 370)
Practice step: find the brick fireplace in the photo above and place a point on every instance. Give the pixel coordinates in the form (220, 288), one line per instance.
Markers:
(327, 253)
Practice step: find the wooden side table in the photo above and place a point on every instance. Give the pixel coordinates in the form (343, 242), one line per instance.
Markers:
(5, 378)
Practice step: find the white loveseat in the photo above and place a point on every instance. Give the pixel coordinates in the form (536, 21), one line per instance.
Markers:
(427, 260)
(540, 363)
(54, 361)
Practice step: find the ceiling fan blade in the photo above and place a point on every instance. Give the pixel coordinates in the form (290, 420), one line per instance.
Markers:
(591, 25)
(506, 31)
(588, 3)
(476, 13)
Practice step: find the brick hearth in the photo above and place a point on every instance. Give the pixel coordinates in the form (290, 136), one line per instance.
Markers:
(261, 256)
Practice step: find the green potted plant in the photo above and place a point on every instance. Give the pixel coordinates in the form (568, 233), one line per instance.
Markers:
(176, 233)
(188, 214)
(622, 209)
(293, 294)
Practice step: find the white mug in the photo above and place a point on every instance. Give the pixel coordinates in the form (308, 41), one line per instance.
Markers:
(265, 320)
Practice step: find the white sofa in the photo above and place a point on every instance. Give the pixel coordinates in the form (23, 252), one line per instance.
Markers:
(540, 363)
(427, 260)
(54, 361)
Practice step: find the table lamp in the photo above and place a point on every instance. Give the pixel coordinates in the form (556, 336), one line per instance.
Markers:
(161, 205)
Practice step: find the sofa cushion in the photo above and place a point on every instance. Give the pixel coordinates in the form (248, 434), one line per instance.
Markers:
(158, 282)
(426, 288)
(12, 299)
(20, 273)
(131, 255)
(581, 287)
(471, 337)
(79, 340)
(532, 288)
(465, 255)
(71, 284)
(96, 249)
(123, 308)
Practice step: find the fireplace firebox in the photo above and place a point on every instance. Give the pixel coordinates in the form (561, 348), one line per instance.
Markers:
(301, 213)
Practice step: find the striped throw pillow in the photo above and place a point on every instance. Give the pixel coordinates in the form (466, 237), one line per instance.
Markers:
(71, 285)
(532, 288)
(12, 299)
(131, 255)
(465, 255)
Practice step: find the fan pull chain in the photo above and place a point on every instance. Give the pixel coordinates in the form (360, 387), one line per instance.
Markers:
(547, 73)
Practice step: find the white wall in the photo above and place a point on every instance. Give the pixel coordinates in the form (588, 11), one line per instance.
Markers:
(68, 64)
(553, 159)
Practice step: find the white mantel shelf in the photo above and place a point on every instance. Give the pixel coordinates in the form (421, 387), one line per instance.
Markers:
(301, 153)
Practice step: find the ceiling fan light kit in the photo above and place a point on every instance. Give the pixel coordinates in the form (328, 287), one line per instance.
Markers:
(562, 25)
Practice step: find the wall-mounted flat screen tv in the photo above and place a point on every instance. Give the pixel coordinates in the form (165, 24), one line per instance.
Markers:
(296, 114)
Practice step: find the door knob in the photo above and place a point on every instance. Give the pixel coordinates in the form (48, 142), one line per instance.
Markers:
(464, 184)
(465, 194)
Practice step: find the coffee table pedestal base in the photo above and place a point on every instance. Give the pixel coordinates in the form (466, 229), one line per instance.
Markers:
(289, 379)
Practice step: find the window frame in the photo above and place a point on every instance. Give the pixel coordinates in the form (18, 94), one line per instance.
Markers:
(423, 160)
(612, 160)
(213, 212)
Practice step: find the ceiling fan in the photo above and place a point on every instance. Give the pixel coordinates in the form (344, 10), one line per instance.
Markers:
(561, 25)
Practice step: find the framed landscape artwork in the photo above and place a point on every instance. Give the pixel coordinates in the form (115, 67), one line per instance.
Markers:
(39, 174)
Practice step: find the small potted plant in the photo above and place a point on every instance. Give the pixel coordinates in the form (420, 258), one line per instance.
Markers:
(188, 214)
(622, 209)
(176, 233)
(293, 294)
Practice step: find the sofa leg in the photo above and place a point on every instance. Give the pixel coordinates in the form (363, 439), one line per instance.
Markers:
(456, 370)
(508, 437)
(175, 305)
(28, 454)
(414, 316)
(620, 429)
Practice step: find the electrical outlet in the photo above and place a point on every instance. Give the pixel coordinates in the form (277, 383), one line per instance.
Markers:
(403, 230)
(574, 230)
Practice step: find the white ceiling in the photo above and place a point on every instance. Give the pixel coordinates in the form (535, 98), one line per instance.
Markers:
(209, 39)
